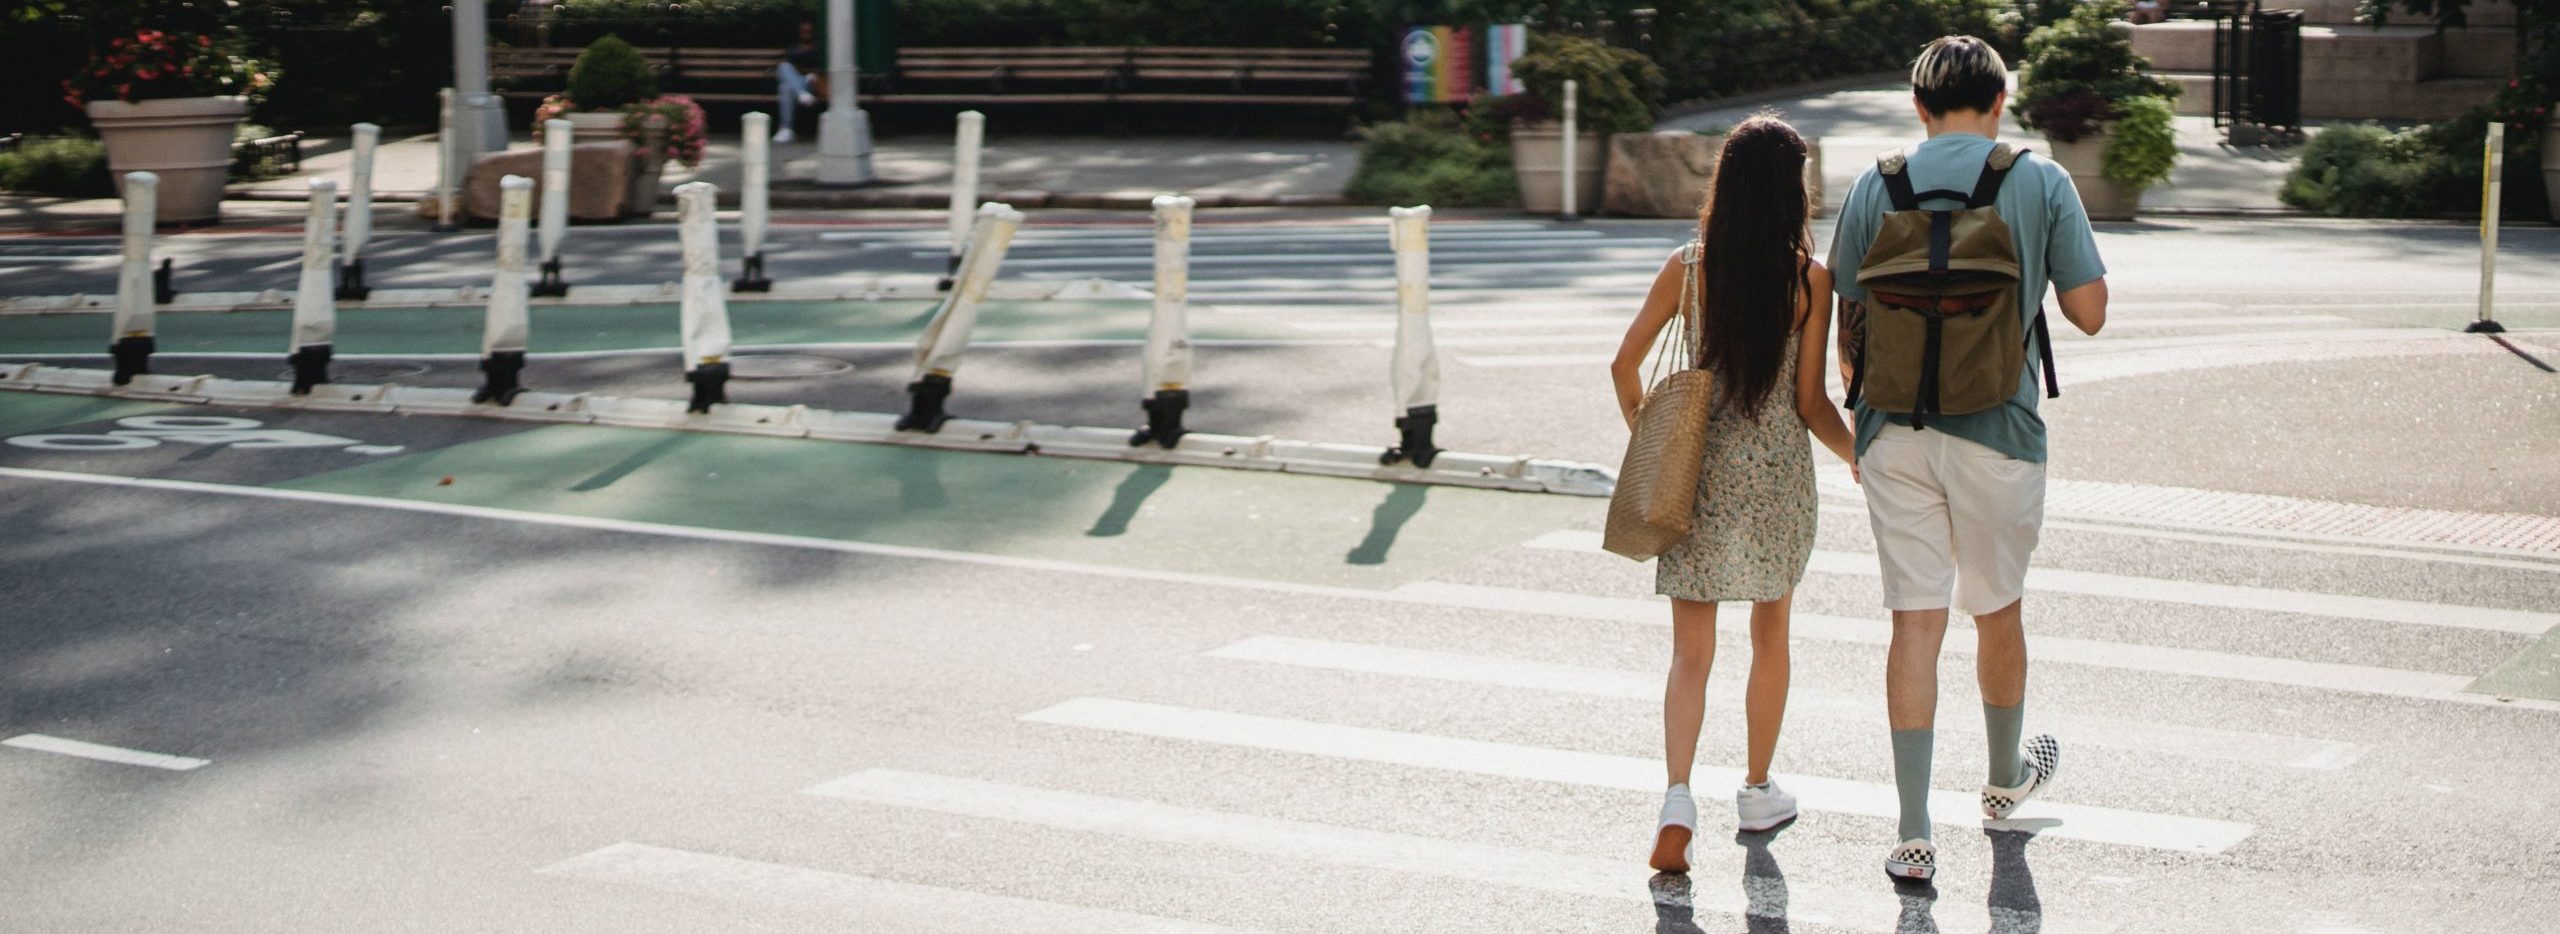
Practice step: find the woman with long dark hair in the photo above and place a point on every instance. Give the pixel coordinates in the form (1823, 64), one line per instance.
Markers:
(1759, 324)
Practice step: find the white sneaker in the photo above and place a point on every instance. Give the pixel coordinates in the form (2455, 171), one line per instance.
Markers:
(1763, 807)
(1915, 859)
(1679, 825)
(808, 100)
(2043, 756)
(783, 135)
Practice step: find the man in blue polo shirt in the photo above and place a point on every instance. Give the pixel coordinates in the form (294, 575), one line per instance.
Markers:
(1957, 506)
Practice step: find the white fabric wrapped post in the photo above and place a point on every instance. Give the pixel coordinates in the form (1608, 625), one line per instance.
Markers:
(755, 156)
(1168, 357)
(965, 151)
(137, 302)
(315, 303)
(359, 222)
(555, 204)
(706, 310)
(509, 330)
(1416, 368)
(2493, 179)
(448, 163)
(1572, 106)
(946, 337)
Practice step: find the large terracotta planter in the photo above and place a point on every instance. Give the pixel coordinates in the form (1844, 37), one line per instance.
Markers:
(186, 141)
(1537, 159)
(1666, 173)
(2551, 165)
(2104, 198)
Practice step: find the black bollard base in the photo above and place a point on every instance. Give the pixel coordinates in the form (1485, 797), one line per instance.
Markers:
(351, 287)
(1164, 419)
(2485, 326)
(132, 356)
(751, 276)
(504, 369)
(550, 285)
(924, 406)
(710, 387)
(950, 274)
(1416, 428)
(164, 283)
(310, 367)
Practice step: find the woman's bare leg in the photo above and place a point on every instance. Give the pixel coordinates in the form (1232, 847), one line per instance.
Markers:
(1684, 693)
(1764, 702)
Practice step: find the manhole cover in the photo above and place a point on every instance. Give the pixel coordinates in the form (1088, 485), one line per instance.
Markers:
(785, 366)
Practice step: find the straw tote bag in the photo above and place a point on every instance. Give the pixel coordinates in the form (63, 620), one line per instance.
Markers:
(1657, 494)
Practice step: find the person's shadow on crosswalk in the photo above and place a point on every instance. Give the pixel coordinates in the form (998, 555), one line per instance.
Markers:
(2015, 908)
(1764, 891)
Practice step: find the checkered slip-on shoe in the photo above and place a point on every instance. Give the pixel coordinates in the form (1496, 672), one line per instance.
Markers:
(2043, 758)
(1914, 859)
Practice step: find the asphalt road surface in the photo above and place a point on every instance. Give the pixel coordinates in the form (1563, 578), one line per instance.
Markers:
(275, 670)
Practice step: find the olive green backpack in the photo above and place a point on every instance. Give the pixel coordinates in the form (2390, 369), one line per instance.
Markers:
(1941, 333)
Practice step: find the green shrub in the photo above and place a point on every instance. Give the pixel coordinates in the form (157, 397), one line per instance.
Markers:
(610, 75)
(2429, 171)
(70, 166)
(2145, 146)
(2080, 72)
(1430, 159)
(1620, 90)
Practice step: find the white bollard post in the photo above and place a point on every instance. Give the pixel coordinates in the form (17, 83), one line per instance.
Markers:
(555, 204)
(706, 310)
(1572, 173)
(1168, 358)
(2495, 162)
(755, 156)
(137, 302)
(965, 151)
(448, 164)
(946, 337)
(1416, 368)
(507, 334)
(315, 308)
(359, 222)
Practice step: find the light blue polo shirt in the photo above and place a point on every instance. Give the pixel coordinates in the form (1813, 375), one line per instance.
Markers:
(2054, 246)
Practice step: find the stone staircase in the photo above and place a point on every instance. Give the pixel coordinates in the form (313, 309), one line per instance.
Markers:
(2403, 71)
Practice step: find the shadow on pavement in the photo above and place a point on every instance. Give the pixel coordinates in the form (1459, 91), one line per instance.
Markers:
(1386, 521)
(1764, 891)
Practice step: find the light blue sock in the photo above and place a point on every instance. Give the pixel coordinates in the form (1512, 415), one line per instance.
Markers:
(2002, 725)
(1911, 752)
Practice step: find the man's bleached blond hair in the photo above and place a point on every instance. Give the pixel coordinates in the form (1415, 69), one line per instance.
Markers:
(1958, 73)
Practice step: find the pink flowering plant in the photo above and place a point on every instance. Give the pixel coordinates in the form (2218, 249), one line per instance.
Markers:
(154, 65)
(687, 129)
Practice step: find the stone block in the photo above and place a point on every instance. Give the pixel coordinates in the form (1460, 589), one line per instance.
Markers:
(1666, 173)
(2479, 52)
(2181, 45)
(2438, 99)
(2406, 54)
(599, 180)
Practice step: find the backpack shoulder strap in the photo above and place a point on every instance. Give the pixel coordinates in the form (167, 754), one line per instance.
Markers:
(1995, 170)
(1894, 168)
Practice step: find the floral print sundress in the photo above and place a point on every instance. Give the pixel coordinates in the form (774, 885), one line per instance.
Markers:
(1753, 532)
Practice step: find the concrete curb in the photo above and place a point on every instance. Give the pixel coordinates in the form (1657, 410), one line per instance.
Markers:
(1198, 449)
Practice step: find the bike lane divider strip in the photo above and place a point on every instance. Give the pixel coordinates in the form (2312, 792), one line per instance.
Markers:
(869, 903)
(2115, 826)
(1462, 861)
(86, 750)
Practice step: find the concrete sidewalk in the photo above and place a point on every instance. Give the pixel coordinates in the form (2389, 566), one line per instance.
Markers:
(1857, 123)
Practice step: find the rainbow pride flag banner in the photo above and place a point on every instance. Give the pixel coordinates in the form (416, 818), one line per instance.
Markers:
(1502, 43)
(1439, 64)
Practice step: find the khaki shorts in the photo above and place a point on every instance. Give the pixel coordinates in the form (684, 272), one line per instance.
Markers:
(1950, 514)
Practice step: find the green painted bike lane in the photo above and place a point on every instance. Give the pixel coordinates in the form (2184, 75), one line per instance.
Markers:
(589, 328)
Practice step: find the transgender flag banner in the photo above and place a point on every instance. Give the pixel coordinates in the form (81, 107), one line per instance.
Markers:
(1502, 43)
(1439, 64)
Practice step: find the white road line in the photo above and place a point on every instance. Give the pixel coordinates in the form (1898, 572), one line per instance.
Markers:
(2117, 322)
(1469, 863)
(1515, 361)
(2110, 732)
(1383, 321)
(868, 904)
(1512, 260)
(1600, 770)
(1143, 243)
(2191, 593)
(72, 747)
(1612, 336)
(2199, 663)
(2389, 682)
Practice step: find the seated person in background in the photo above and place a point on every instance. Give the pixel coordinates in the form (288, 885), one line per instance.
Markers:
(2148, 11)
(801, 70)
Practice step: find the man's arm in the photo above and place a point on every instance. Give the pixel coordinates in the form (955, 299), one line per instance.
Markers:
(2085, 305)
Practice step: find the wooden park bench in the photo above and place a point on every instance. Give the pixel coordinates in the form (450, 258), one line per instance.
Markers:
(704, 74)
(1134, 75)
